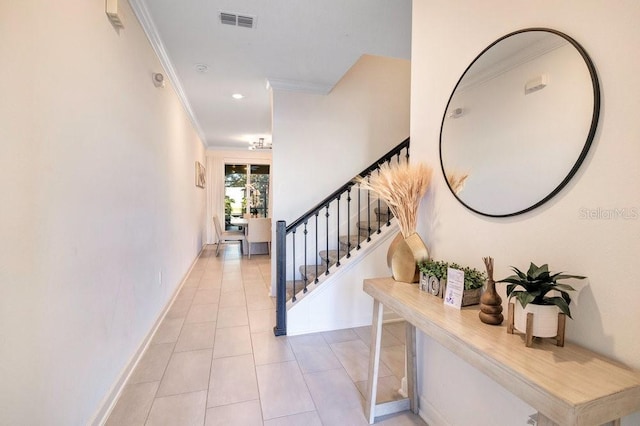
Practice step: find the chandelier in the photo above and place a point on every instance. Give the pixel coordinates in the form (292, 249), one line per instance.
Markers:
(259, 145)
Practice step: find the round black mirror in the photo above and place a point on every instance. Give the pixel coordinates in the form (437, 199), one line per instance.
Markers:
(519, 122)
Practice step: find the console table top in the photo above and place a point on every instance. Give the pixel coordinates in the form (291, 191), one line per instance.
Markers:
(570, 385)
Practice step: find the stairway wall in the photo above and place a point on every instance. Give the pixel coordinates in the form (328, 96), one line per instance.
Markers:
(322, 141)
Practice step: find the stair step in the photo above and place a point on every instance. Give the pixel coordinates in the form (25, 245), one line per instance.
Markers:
(363, 227)
(309, 272)
(355, 239)
(333, 256)
(299, 288)
(383, 213)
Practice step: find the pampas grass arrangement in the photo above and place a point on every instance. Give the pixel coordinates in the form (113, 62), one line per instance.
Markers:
(456, 181)
(400, 186)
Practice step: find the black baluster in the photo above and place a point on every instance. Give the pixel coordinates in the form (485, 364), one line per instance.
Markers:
(306, 279)
(359, 210)
(316, 257)
(348, 224)
(327, 228)
(338, 230)
(293, 246)
(379, 210)
(369, 211)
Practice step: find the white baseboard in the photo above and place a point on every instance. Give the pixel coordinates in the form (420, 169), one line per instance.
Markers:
(430, 414)
(109, 402)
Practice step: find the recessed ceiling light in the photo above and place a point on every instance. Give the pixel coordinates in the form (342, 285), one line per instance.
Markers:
(237, 96)
(202, 68)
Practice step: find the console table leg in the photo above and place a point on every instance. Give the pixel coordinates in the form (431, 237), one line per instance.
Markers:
(411, 369)
(374, 361)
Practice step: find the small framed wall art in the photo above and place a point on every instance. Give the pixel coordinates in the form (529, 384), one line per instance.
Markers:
(200, 175)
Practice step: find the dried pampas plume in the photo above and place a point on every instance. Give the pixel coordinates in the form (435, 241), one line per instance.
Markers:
(401, 186)
(456, 181)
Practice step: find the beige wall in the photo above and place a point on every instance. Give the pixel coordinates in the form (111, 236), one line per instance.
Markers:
(320, 142)
(98, 201)
(446, 38)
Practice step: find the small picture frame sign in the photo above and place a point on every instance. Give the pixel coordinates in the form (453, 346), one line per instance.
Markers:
(455, 288)
(200, 175)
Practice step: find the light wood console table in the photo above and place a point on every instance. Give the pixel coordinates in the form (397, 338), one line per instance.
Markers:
(568, 385)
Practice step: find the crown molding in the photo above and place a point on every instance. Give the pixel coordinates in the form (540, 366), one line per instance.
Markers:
(298, 86)
(144, 17)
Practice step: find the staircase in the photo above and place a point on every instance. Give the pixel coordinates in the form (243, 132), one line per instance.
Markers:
(330, 258)
(315, 245)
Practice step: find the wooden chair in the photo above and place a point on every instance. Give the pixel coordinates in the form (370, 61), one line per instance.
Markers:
(225, 237)
(259, 231)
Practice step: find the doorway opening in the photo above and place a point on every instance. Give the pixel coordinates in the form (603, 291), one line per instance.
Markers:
(246, 192)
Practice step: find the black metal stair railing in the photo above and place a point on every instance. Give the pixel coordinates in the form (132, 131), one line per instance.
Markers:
(293, 261)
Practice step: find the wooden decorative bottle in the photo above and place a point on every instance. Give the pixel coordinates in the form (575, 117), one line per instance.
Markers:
(490, 301)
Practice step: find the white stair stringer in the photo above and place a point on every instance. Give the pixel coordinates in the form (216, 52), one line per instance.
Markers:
(337, 301)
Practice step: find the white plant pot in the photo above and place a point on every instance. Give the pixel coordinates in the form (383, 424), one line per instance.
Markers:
(545, 319)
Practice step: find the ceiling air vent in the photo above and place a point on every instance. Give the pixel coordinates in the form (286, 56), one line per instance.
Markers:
(237, 20)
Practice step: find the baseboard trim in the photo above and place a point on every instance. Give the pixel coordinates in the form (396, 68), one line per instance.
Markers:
(430, 414)
(109, 402)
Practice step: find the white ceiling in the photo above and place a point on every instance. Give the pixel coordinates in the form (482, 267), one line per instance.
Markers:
(304, 45)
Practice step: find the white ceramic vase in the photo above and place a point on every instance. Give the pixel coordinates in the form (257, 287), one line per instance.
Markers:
(545, 319)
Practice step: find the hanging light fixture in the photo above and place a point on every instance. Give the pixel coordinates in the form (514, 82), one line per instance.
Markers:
(259, 145)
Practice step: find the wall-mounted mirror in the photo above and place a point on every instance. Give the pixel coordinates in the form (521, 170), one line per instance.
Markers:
(519, 122)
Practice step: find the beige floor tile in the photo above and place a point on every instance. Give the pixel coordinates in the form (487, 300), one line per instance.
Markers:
(354, 357)
(253, 275)
(398, 329)
(310, 418)
(232, 317)
(179, 309)
(202, 313)
(259, 299)
(210, 284)
(192, 281)
(394, 358)
(232, 341)
(313, 353)
(388, 339)
(168, 331)
(233, 379)
(231, 285)
(262, 320)
(283, 391)
(133, 405)
(206, 296)
(333, 389)
(340, 336)
(152, 364)
(406, 418)
(241, 414)
(352, 416)
(186, 293)
(186, 372)
(259, 284)
(196, 336)
(229, 274)
(232, 298)
(187, 409)
(387, 388)
(267, 348)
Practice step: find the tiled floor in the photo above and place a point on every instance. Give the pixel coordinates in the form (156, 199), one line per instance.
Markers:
(215, 360)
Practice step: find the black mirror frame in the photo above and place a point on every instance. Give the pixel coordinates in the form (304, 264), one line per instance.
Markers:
(592, 130)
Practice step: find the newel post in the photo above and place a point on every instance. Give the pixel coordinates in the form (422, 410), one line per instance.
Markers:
(281, 286)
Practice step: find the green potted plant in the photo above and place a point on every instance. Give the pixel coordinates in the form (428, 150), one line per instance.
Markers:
(532, 292)
(433, 278)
